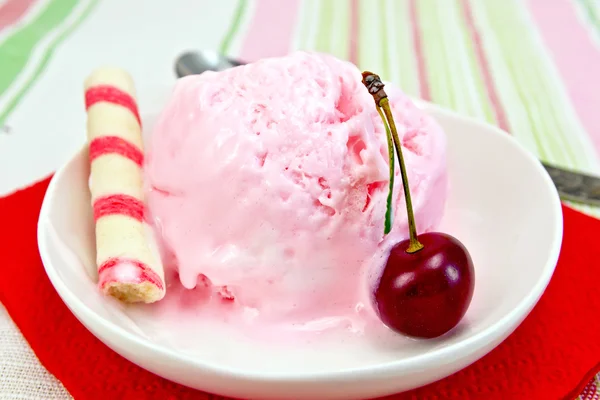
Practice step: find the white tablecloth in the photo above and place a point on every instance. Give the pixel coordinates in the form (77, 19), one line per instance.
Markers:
(21, 374)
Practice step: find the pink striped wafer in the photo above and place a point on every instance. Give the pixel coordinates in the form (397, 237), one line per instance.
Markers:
(129, 267)
(111, 94)
(115, 145)
(145, 273)
(119, 204)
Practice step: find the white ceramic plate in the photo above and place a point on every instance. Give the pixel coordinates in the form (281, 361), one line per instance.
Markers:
(503, 206)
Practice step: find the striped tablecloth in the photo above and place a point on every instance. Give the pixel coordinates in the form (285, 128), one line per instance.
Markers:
(530, 66)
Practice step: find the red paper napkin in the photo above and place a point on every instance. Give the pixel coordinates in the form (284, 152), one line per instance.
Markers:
(552, 355)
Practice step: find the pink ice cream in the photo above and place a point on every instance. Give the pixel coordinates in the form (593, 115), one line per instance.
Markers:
(268, 183)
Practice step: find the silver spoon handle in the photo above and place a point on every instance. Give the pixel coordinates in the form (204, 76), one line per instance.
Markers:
(191, 63)
(575, 186)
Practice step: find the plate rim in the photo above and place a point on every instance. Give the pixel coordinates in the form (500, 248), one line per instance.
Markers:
(499, 329)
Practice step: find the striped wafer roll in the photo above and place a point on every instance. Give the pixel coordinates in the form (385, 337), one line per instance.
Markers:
(129, 267)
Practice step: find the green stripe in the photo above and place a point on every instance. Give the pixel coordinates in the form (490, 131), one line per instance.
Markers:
(474, 71)
(521, 62)
(17, 48)
(452, 71)
(529, 109)
(303, 43)
(367, 58)
(32, 31)
(437, 66)
(328, 24)
(443, 57)
(529, 86)
(508, 92)
(384, 42)
(341, 48)
(379, 22)
(408, 76)
(537, 89)
(323, 39)
(234, 26)
(591, 14)
(531, 78)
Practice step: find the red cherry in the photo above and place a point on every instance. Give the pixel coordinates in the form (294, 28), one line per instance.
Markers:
(426, 293)
(428, 280)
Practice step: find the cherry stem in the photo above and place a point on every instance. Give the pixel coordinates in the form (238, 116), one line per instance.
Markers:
(414, 245)
(375, 86)
(390, 142)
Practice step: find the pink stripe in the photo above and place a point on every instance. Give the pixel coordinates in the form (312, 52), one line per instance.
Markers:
(418, 47)
(12, 11)
(115, 145)
(114, 95)
(119, 204)
(271, 30)
(484, 67)
(576, 57)
(354, 32)
(146, 273)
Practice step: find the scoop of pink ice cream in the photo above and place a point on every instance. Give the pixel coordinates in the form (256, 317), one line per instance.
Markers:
(271, 179)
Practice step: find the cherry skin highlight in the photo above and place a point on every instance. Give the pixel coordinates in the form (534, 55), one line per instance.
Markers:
(426, 293)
